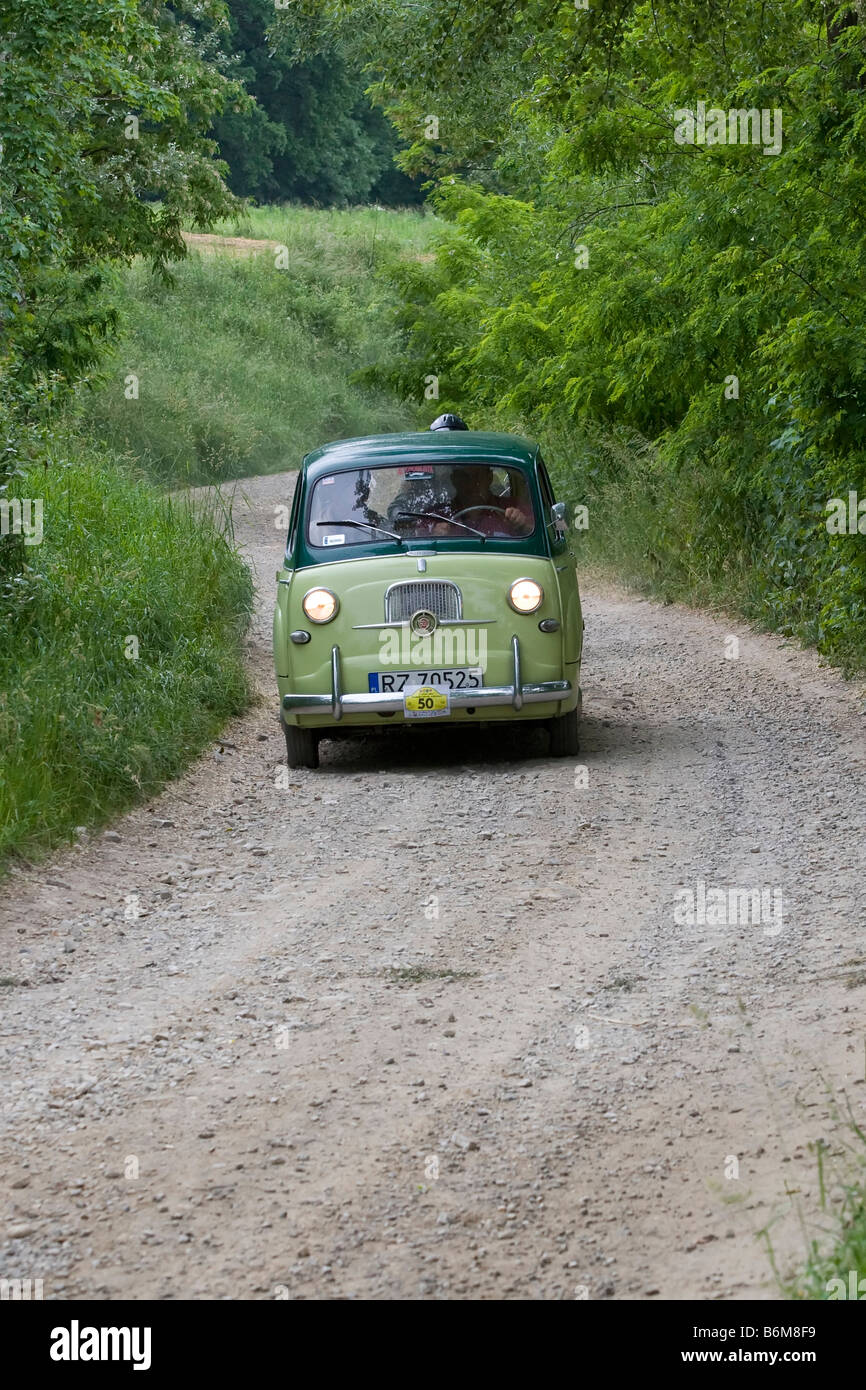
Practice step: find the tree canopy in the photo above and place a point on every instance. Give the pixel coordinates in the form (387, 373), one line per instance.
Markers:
(104, 112)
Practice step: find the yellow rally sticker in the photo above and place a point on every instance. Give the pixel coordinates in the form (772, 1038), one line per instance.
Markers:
(426, 700)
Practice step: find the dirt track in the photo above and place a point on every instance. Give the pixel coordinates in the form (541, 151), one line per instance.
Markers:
(444, 954)
(210, 245)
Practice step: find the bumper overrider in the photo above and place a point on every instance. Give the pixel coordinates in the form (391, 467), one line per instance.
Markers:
(517, 694)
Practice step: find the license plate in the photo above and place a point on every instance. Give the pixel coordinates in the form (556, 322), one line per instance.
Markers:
(399, 682)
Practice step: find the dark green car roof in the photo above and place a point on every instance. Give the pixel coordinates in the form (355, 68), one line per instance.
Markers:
(448, 446)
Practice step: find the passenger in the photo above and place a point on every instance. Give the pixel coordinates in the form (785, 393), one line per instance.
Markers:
(421, 492)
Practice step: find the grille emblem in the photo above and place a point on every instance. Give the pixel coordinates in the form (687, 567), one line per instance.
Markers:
(423, 622)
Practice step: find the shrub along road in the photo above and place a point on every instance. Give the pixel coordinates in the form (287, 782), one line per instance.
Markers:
(288, 1073)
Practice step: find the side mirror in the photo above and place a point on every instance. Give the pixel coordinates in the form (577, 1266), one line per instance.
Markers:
(559, 513)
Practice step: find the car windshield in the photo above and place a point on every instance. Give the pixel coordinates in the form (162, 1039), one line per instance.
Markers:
(420, 501)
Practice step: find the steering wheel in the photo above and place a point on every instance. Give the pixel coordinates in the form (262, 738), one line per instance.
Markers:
(483, 507)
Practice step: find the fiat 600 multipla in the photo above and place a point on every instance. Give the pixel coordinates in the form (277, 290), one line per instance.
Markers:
(428, 578)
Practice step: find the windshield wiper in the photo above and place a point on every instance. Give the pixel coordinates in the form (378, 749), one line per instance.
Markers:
(366, 526)
(435, 516)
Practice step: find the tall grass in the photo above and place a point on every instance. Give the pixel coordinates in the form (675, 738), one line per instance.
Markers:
(827, 1276)
(122, 648)
(836, 1258)
(241, 366)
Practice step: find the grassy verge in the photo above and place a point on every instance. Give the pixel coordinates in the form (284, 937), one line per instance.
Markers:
(243, 365)
(122, 648)
(836, 1261)
(840, 1274)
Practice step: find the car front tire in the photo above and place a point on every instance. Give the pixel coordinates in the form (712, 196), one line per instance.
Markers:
(302, 746)
(565, 735)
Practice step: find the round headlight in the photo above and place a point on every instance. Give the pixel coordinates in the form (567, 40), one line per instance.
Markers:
(320, 605)
(525, 596)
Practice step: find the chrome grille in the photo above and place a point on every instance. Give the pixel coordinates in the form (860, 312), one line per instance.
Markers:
(438, 596)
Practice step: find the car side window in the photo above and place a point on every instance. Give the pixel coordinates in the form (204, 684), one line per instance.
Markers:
(546, 489)
(557, 541)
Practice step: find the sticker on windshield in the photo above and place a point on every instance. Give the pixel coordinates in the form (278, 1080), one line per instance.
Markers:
(334, 540)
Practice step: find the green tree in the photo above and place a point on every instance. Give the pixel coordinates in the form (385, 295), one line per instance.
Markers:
(104, 112)
(313, 134)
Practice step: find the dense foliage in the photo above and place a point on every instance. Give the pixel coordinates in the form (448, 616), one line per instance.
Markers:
(686, 320)
(312, 135)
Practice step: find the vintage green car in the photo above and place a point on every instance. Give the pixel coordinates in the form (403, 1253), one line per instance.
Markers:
(428, 578)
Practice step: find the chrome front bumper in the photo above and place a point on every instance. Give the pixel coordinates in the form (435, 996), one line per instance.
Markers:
(516, 695)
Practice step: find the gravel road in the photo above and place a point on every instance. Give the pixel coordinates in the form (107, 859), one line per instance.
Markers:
(432, 1022)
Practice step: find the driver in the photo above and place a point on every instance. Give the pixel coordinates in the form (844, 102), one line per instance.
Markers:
(472, 489)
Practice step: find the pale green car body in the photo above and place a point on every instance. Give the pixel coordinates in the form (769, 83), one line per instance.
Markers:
(325, 671)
